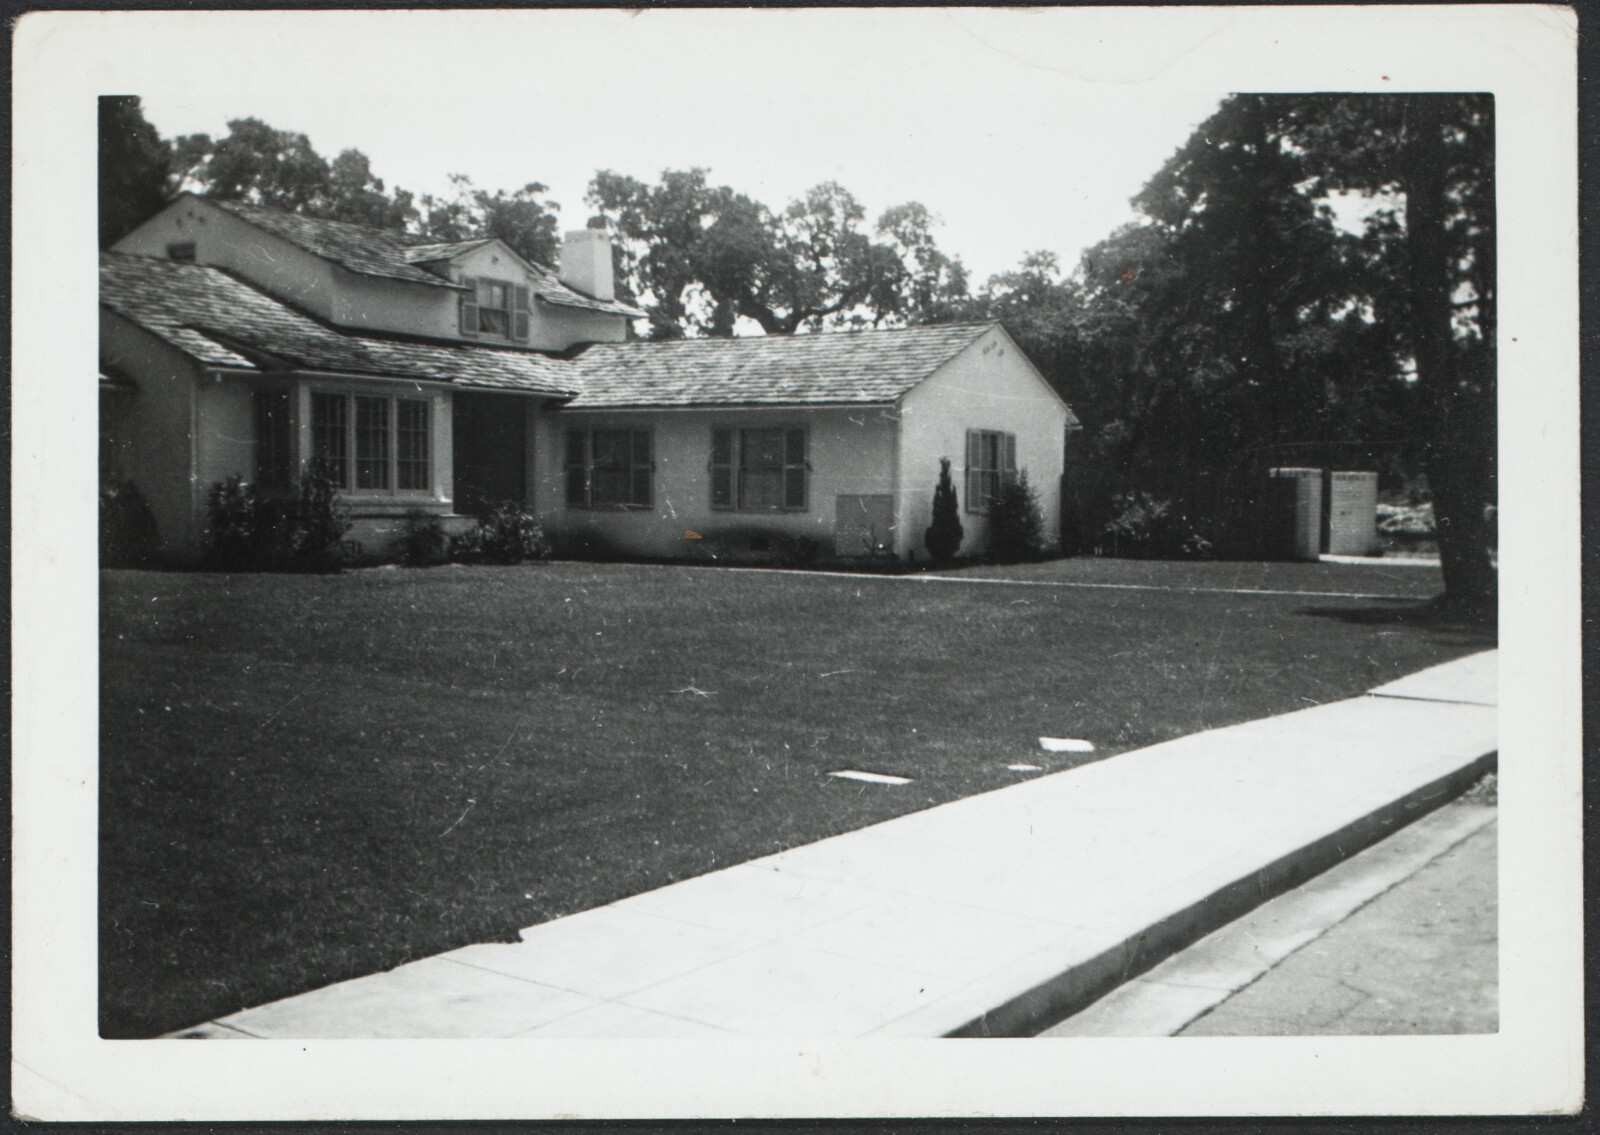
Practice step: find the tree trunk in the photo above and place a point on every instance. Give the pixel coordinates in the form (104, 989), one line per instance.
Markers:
(1454, 456)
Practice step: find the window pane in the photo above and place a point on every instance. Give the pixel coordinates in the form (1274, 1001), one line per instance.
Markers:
(329, 439)
(576, 450)
(372, 443)
(795, 446)
(762, 449)
(641, 486)
(612, 448)
(412, 442)
(494, 321)
(577, 486)
(609, 485)
(641, 447)
(761, 488)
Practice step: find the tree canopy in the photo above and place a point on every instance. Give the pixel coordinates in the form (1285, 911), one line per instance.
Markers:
(700, 257)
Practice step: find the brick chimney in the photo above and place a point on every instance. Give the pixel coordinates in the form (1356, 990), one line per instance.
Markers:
(586, 263)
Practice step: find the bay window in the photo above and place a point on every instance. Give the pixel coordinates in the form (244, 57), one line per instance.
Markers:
(371, 442)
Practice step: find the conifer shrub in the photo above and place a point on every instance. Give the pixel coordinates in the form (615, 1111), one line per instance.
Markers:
(943, 536)
(1016, 522)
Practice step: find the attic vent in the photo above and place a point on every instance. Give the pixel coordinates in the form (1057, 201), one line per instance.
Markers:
(181, 250)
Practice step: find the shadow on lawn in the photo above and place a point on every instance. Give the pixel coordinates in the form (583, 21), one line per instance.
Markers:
(1449, 627)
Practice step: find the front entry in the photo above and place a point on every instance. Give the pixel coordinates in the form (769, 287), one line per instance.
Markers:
(491, 451)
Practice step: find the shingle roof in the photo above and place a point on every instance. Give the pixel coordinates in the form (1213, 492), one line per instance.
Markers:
(360, 248)
(826, 369)
(396, 256)
(220, 321)
(427, 253)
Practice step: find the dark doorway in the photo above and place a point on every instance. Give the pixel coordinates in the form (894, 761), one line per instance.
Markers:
(491, 454)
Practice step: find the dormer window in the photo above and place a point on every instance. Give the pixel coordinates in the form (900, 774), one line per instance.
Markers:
(494, 309)
(182, 250)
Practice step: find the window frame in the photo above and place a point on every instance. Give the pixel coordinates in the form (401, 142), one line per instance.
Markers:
(729, 479)
(580, 465)
(351, 472)
(977, 471)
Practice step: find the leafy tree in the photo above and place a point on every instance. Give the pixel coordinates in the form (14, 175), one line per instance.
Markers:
(943, 537)
(700, 257)
(525, 220)
(261, 165)
(257, 164)
(1432, 265)
(134, 167)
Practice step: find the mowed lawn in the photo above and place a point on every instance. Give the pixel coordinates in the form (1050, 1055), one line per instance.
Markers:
(306, 779)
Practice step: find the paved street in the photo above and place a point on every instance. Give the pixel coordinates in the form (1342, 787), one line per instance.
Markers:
(1401, 938)
(1420, 958)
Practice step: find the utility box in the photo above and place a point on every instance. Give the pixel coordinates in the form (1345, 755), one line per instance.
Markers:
(1293, 514)
(1350, 514)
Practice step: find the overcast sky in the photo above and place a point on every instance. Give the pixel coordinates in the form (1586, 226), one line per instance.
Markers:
(1022, 130)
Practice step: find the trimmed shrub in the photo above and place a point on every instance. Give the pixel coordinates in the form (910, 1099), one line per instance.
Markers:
(127, 526)
(424, 542)
(508, 535)
(245, 532)
(1016, 523)
(943, 536)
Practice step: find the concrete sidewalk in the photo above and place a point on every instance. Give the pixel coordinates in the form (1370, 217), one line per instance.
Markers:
(994, 915)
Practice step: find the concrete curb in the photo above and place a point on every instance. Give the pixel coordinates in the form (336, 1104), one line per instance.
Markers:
(1075, 989)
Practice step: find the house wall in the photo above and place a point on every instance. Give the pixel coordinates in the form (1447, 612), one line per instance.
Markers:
(850, 452)
(989, 386)
(224, 241)
(158, 417)
(556, 327)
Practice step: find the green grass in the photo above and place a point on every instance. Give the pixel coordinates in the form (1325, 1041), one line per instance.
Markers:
(305, 779)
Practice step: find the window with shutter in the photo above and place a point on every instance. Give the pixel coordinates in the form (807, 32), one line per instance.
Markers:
(759, 470)
(991, 458)
(609, 468)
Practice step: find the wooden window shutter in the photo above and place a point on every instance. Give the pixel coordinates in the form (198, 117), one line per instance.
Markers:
(519, 317)
(721, 468)
(1011, 453)
(973, 478)
(794, 473)
(469, 307)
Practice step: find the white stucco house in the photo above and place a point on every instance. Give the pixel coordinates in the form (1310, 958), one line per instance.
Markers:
(446, 378)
